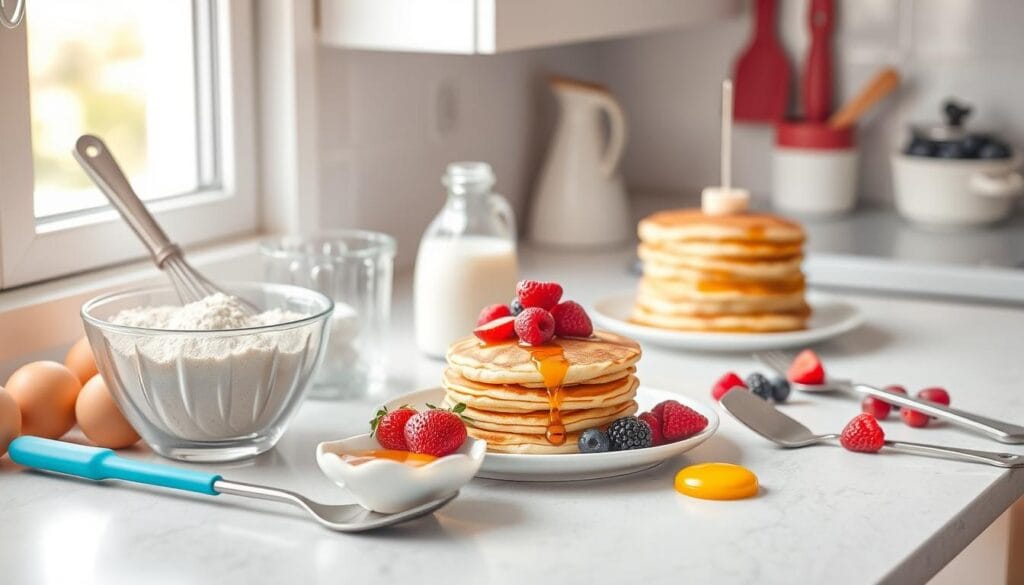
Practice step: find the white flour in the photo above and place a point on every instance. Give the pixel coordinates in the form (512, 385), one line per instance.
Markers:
(212, 386)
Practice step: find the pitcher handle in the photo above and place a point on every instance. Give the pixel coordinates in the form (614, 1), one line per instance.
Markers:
(503, 211)
(616, 134)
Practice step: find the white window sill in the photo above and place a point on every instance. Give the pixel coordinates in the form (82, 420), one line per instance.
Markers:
(40, 321)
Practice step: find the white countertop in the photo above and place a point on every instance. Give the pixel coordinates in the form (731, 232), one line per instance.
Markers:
(824, 515)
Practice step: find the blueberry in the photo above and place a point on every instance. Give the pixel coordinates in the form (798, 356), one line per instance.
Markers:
(921, 147)
(593, 441)
(780, 389)
(994, 150)
(629, 432)
(951, 150)
(516, 306)
(759, 385)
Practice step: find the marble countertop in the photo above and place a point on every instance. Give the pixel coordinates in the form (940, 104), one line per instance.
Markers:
(824, 515)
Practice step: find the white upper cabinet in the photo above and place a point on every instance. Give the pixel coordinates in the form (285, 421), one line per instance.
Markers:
(497, 26)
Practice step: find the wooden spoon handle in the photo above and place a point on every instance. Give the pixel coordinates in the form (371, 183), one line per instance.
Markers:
(880, 86)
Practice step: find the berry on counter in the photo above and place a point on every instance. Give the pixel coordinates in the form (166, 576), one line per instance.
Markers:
(863, 434)
(436, 432)
(653, 421)
(535, 326)
(498, 330)
(760, 386)
(544, 295)
(780, 389)
(627, 433)
(914, 418)
(875, 407)
(935, 394)
(994, 150)
(516, 307)
(806, 369)
(679, 422)
(389, 427)
(593, 441)
(896, 388)
(571, 320)
(492, 312)
(727, 382)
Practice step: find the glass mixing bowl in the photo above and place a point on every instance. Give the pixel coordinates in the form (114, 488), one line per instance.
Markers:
(215, 395)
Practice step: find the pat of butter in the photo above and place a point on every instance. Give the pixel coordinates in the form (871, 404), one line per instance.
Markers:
(718, 201)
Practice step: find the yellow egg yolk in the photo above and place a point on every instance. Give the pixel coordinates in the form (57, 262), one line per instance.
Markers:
(716, 481)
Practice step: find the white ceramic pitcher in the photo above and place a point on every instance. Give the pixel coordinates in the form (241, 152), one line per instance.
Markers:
(580, 200)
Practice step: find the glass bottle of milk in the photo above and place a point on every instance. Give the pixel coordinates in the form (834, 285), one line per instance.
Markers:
(467, 258)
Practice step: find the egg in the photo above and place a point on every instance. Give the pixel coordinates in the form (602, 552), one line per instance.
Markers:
(100, 418)
(45, 393)
(80, 360)
(10, 420)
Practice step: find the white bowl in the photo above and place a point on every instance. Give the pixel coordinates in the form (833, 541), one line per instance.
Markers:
(387, 486)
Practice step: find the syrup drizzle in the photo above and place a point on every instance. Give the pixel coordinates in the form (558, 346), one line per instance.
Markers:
(551, 364)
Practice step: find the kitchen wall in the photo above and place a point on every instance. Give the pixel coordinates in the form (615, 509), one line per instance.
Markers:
(391, 121)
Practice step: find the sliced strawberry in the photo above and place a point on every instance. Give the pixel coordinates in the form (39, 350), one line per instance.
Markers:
(492, 312)
(806, 369)
(727, 382)
(496, 331)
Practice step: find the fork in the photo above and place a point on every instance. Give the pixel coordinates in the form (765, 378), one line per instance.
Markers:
(1001, 431)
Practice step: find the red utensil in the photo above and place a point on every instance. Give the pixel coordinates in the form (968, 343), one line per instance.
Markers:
(762, 72)
(818, 69)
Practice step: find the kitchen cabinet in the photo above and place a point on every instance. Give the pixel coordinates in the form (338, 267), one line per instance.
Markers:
(497, 26)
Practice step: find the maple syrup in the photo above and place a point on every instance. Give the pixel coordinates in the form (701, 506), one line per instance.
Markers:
(406, 457)
(551, 364)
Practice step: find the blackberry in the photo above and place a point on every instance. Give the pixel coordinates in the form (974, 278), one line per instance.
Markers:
(759, 385)
(629, 432)
(593, 441)
(516, 307)
(780, 388)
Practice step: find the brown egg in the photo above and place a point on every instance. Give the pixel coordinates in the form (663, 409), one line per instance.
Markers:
(45, 393)
(80, 360)
(10, 420)
(100, 418)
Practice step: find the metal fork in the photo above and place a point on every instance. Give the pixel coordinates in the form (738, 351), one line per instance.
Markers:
(98, 162)
(1001, 431)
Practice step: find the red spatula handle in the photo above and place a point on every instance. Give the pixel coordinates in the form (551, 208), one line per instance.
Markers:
(818, 74)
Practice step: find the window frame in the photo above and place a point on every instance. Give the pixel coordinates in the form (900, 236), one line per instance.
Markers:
(30, 254)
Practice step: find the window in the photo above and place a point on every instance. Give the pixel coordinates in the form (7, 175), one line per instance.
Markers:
(167, 85)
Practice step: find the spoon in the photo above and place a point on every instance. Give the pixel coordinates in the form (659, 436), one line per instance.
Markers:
(1001, 431)
(98, 464)
(769, 422)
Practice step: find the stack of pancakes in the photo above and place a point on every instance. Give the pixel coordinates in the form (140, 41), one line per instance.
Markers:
(721, 272)
(510, 405)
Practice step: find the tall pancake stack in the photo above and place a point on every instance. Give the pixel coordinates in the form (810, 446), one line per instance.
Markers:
(738, 272)
(518, 398)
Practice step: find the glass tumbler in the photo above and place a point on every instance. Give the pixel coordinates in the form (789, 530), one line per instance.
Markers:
(355, 269)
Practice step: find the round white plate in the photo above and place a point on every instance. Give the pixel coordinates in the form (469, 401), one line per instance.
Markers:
(579, 466)
(830, 318)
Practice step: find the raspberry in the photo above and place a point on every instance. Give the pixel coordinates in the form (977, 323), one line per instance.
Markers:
(492, 312)
(727, 382)
(679, 422)
(875, 407)
(544, 295)
(435, 432)
(497, 330)
(535, 326)
(914, 418)
(571, 320)
(806, 369)
(389, 427)
(654, 423)
(863, 434)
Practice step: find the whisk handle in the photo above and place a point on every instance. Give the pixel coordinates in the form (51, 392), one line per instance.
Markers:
(99, 164)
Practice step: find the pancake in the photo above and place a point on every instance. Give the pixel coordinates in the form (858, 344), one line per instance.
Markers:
(690, 290)
(679, 225)
(605, 354)
(521, 444)
(661, 264)
(514, 398)
(790, 303)
(750, 323)
(536, 422)
(731, 249)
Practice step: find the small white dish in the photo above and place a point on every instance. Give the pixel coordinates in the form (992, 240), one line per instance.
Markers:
(830, 318)
(581, 466)
(387, 486)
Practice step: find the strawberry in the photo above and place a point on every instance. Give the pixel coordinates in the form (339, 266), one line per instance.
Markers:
(654, 423)
(389, 427)
(806, 369)
(492, 312)
(535, 326)
(727, 382)
(863, 434)
(497, 330)
(436, 432)
(533, 293)
(571, 320)
(914, 418)
(875, 407)
(679, 422)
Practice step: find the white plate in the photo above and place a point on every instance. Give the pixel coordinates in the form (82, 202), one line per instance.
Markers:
(830, 318)
(579, 466)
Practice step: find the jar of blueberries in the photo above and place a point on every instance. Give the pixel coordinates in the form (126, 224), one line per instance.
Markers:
(949, 175)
